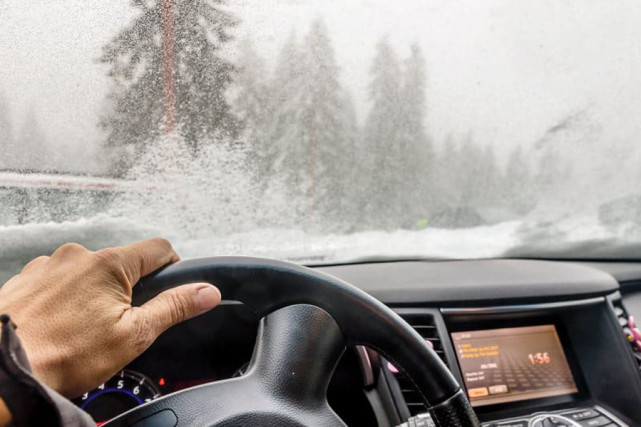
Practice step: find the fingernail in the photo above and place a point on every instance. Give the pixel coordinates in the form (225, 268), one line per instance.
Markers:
(208, 297)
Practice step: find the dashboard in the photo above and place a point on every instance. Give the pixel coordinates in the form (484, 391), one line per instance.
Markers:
(533, 343)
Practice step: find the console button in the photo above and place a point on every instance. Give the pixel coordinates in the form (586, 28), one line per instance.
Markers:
(596, 422)
(421, 420)
(513, 424)
(551, 420)
(478, 392)
(583, 414)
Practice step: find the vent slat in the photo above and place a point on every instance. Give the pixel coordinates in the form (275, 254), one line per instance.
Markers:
(425, 325)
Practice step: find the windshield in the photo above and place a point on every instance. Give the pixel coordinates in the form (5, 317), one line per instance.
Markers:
(322, 131)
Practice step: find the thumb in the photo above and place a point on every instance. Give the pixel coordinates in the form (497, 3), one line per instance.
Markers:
(179, 304)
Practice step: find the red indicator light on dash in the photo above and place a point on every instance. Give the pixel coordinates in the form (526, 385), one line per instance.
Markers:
(161, 381)
(430, 344)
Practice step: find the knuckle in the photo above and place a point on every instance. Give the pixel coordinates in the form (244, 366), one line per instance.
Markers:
(35, 262)
(164, 243)
(70, 248)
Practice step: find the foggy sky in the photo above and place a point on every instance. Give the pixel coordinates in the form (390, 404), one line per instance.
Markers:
(502, 71)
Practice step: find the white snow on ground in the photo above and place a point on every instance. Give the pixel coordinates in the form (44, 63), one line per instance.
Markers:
(18, 244)
(577, 237)
(570, 237)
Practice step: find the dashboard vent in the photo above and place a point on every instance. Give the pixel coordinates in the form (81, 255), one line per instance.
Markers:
(425, 325)
(623, 319)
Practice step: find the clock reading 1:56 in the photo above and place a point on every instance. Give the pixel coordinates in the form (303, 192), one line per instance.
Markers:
(539, 358)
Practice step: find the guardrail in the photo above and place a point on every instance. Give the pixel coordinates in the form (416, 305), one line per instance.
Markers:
(19, 180)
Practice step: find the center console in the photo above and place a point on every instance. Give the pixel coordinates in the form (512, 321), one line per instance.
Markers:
(574, 417)
(539, 365)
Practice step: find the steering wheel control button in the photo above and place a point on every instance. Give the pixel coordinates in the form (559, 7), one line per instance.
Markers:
(165, 418)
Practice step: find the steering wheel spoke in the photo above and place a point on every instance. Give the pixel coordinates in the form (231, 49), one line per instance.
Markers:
(297, 349)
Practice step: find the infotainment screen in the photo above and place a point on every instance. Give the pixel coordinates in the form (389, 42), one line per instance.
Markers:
(506, 365)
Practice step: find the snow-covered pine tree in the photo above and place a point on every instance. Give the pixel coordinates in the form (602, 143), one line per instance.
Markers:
(381, 134)
(518, 187)
(330, 127)
(416, 152)
(472, 168)
(311, 131)
(447, 177)
(488, 179)
(252, 99)
(201, 74)
(250, 83)
(283, 156)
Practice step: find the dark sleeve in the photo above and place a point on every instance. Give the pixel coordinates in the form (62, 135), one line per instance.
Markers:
(29, 401)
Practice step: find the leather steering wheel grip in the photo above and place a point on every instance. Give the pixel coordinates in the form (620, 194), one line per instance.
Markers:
(267, 285)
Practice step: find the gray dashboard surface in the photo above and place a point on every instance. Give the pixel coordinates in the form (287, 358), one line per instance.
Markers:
(622, 271)
(475, 282)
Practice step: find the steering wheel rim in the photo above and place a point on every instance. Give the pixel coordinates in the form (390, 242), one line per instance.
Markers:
(266, 285)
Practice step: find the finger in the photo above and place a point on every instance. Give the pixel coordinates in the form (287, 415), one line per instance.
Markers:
(141, 258)
(179, 304)
(36, 262)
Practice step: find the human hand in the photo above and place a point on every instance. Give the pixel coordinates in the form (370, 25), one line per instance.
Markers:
(74, 316)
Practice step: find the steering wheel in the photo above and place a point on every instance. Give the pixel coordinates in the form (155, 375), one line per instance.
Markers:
(297, 349)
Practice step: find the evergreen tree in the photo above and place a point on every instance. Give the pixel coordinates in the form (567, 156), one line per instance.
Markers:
(471, 168)
(330, 126)
(312, 129)
(518, 191)
(480, 175)
(384, 209)
(467, 184)
(552, 174)
(447, 178)
(489, 178)
(281, 157)
(416, 150)
(251, 104)
(200, 72)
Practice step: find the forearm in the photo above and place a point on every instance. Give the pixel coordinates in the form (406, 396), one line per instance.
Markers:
(24, 400)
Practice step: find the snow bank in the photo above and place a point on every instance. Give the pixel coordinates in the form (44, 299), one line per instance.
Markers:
(19, 244)
(577, 237)
(570, 237)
